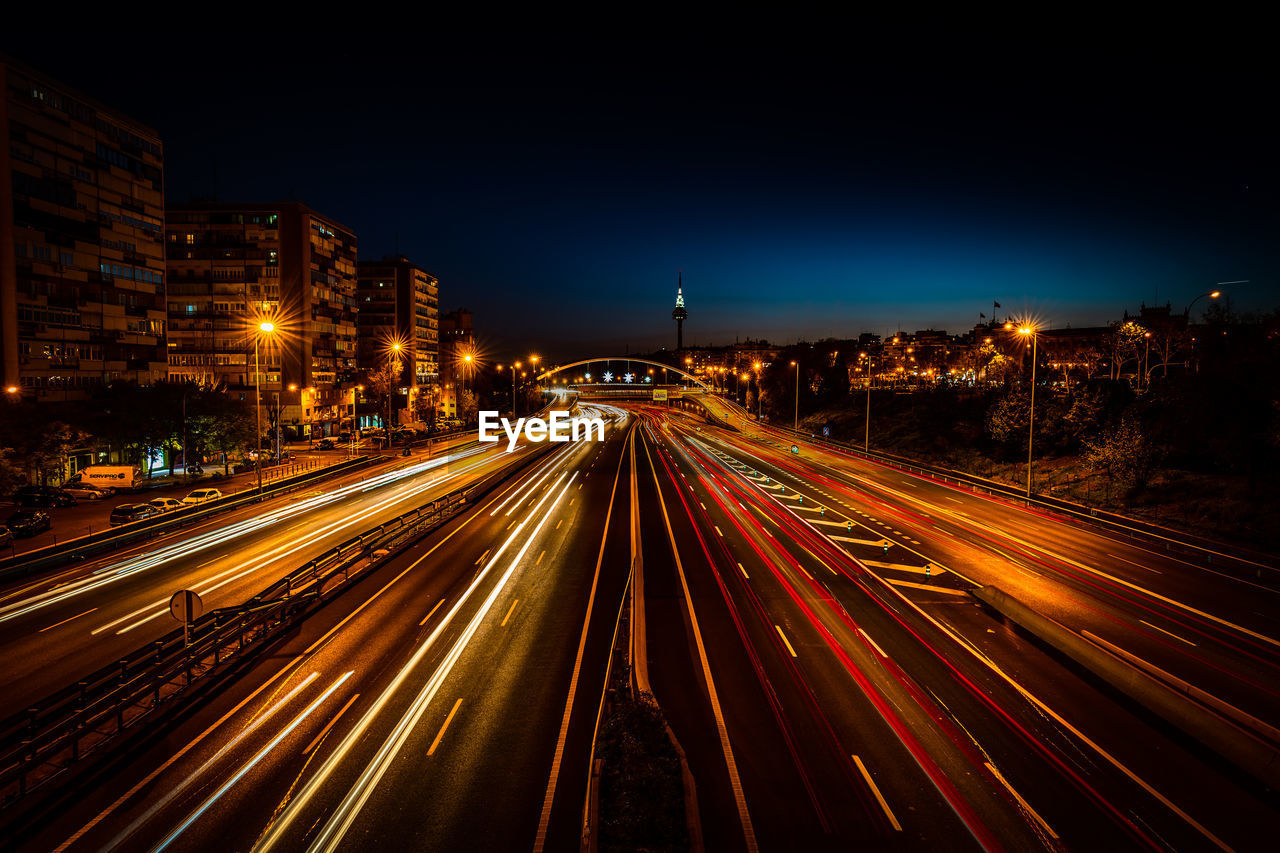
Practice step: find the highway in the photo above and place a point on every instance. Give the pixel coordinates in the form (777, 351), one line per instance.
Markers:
(65, 625)
(1122, 778)
(805, 622)
(442, 681)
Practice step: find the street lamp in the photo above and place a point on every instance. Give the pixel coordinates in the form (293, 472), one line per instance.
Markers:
(866, 440)
(759, 402)
(264, 328)
(796, 365)
(1031, 414)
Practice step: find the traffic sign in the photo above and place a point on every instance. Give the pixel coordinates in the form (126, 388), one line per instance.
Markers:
(186, 605)
(659, 394)
(795, 448)
(826, 430)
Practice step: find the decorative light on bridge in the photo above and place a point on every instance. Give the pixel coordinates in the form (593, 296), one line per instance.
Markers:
(608, 376)
(628, 377)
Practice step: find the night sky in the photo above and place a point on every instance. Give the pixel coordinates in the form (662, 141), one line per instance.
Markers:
(808, 185)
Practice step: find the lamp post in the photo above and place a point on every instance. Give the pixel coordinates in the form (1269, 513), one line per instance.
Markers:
(796, 365)
(1146, 360)
(759, 402)
(1031, 415)
(267, 328)
(1212, 294)
(866, 440)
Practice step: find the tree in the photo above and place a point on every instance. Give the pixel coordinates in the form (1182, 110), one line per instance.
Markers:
(382, 384)
(1123, 453)
(1124, 344)
(468, 405)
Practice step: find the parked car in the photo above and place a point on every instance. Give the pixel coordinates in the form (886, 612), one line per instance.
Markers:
(28, 522)
(42, 496)
(6, 537)
(87, 491)
(325, 444)
(167, 504)
(200, 496)
(125, 513)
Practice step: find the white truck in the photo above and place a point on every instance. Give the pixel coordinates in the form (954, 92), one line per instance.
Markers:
(122, 478)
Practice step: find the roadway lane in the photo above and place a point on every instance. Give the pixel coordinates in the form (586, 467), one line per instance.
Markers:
(489, 611)
(68, 624)
(1183, 791)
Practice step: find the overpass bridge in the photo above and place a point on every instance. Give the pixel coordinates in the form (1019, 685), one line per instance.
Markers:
(617, 379)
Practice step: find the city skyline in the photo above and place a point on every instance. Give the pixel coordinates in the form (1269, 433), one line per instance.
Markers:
(910, 201)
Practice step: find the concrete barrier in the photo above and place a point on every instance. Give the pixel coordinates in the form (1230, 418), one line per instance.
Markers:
(1251, 753)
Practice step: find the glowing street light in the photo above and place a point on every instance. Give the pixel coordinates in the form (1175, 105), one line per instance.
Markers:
(1030, 331)
(266, 327)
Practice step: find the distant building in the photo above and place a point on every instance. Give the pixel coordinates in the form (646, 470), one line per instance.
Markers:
(82, 273)
(399, 304)
(457, 339)
(233, 265)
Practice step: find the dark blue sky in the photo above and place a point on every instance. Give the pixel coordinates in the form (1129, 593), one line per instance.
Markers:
(807, 186)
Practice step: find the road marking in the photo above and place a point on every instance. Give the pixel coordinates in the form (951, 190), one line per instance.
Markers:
(873, 643)
(1132, 563)
(508, 616)
(482, 556)
(925, 587)
(1022, 802)
(726, 749)
(65, 621)
(558, 523)
(878, 543)
(862, 768)
(544, 820)
(447, 721)
(930, 570)
(325, 730)
(540, 556)
(432, 613)
(744, 572)
(785, 640)
(717, 527)
(1163, 631)
(224, 556)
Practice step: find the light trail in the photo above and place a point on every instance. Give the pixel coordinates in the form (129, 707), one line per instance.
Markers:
(341, 819)
(187, 547)
(250, 764)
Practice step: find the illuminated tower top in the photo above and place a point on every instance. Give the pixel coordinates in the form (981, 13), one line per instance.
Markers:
(679, 313)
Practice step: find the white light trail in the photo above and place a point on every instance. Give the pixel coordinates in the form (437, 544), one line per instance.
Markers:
(337, 825)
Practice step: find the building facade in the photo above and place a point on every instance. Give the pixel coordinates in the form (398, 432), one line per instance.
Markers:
(82, 272)
(457, 340)
(233, 266)
(399, 317)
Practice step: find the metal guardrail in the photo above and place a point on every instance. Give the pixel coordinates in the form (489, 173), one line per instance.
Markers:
(1187, 544)
(45, 741)
(52, 556)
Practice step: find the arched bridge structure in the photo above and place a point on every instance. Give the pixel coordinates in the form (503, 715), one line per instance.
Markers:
(620, 377)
